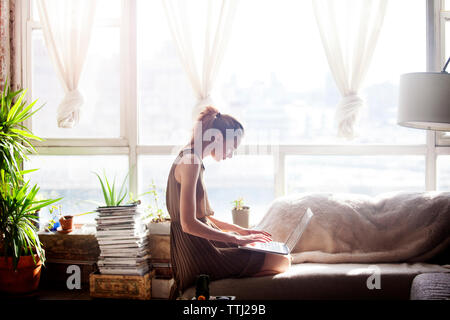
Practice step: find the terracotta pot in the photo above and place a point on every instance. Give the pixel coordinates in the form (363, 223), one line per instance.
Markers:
(242, 217)
(66, 222)
(24, 280)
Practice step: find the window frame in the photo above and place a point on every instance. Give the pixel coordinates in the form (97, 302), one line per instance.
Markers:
(128, 142)
(443, 19)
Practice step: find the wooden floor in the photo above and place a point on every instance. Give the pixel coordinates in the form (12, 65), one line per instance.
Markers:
(47, 294)
(51, 294)
(54, 294)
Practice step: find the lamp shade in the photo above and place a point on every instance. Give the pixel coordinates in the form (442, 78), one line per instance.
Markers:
(424, 101)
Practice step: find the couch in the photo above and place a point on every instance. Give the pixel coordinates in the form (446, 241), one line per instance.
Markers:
(356, 247)
(318, 281)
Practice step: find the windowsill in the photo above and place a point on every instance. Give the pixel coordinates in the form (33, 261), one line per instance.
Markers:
(73, 233)
(83, 230)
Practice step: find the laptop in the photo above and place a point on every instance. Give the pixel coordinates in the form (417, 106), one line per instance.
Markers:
(279, 247)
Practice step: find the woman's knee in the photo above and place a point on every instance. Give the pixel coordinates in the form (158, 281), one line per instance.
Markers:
(284, 263)
(278, 263)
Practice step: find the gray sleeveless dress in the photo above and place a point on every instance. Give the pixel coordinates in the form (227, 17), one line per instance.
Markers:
(192, 255)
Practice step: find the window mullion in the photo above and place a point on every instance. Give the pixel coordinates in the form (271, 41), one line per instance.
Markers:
(434, 56)
(128, 106)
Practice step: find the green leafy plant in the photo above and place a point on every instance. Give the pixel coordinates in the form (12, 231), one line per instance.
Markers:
(154, 210)
(15, 138)
(111, 195)
(19, 202)
(238, 204)
(18, 233)
(83, 213)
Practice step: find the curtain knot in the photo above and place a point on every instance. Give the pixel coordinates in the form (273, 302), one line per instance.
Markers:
(69, 109)
(347, 113)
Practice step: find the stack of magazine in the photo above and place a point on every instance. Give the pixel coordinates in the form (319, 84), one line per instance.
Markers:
(123, 240)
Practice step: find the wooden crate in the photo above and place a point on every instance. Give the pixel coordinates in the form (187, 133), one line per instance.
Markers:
(121, 286)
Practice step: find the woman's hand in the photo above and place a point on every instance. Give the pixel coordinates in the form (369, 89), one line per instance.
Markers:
(242, 240)
(246, 232)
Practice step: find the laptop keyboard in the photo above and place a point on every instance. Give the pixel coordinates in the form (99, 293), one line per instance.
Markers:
(272, 246)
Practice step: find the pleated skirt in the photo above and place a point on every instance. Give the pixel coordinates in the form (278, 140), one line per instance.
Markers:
(192, 256)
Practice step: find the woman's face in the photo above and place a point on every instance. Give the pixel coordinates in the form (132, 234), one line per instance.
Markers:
(227, 149)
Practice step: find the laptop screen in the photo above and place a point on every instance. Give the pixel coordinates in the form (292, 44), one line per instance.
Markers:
(299, 229)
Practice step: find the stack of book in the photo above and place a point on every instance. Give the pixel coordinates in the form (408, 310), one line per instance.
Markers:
(123, 241)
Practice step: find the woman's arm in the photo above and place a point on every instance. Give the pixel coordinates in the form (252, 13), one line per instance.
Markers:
(189, 172)
(227, 227)
(235, 228)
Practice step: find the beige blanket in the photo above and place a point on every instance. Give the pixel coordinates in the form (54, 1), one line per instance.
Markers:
(391, 227)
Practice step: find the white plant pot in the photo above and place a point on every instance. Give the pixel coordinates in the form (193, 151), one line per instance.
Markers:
(241, 217)
(159, 227)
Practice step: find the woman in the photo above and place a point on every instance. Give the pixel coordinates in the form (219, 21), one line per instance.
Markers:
(199, 243)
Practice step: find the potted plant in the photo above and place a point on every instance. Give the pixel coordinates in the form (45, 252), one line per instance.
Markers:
(23, 256)
(159, 220)
(65, 221)
(241, 213)
(21, 253)
(112, 196)
(62, 223)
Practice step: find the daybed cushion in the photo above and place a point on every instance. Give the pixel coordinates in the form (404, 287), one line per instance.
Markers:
(324, 281)
(431, 286)
(392, 227)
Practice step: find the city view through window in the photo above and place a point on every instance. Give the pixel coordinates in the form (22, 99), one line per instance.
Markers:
(278, 85)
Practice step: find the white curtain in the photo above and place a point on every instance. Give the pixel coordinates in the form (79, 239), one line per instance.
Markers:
(218, 18)
(349, 30)
(67, 27)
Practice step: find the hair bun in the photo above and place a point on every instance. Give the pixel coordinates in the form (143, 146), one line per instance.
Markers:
(207, 113)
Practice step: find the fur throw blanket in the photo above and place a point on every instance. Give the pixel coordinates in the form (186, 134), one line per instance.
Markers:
(346, 228)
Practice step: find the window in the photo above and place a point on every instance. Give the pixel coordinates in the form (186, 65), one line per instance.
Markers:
(447, 38)
(281, 86)
(369, 175)
(154, 169)
(73, 178)
(443, 169)
(165, 96)
(99, 84)
(138, 105)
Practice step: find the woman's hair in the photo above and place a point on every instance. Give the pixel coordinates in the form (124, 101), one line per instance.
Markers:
(211, 118)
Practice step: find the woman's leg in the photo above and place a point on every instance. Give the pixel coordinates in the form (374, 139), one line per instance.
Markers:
(273, 264)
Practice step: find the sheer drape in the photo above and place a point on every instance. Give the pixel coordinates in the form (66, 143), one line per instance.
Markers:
(349, 30)
(67, 27)
(219, 16)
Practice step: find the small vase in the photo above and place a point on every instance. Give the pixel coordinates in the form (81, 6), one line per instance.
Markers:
(66, 223)
(241, 217)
